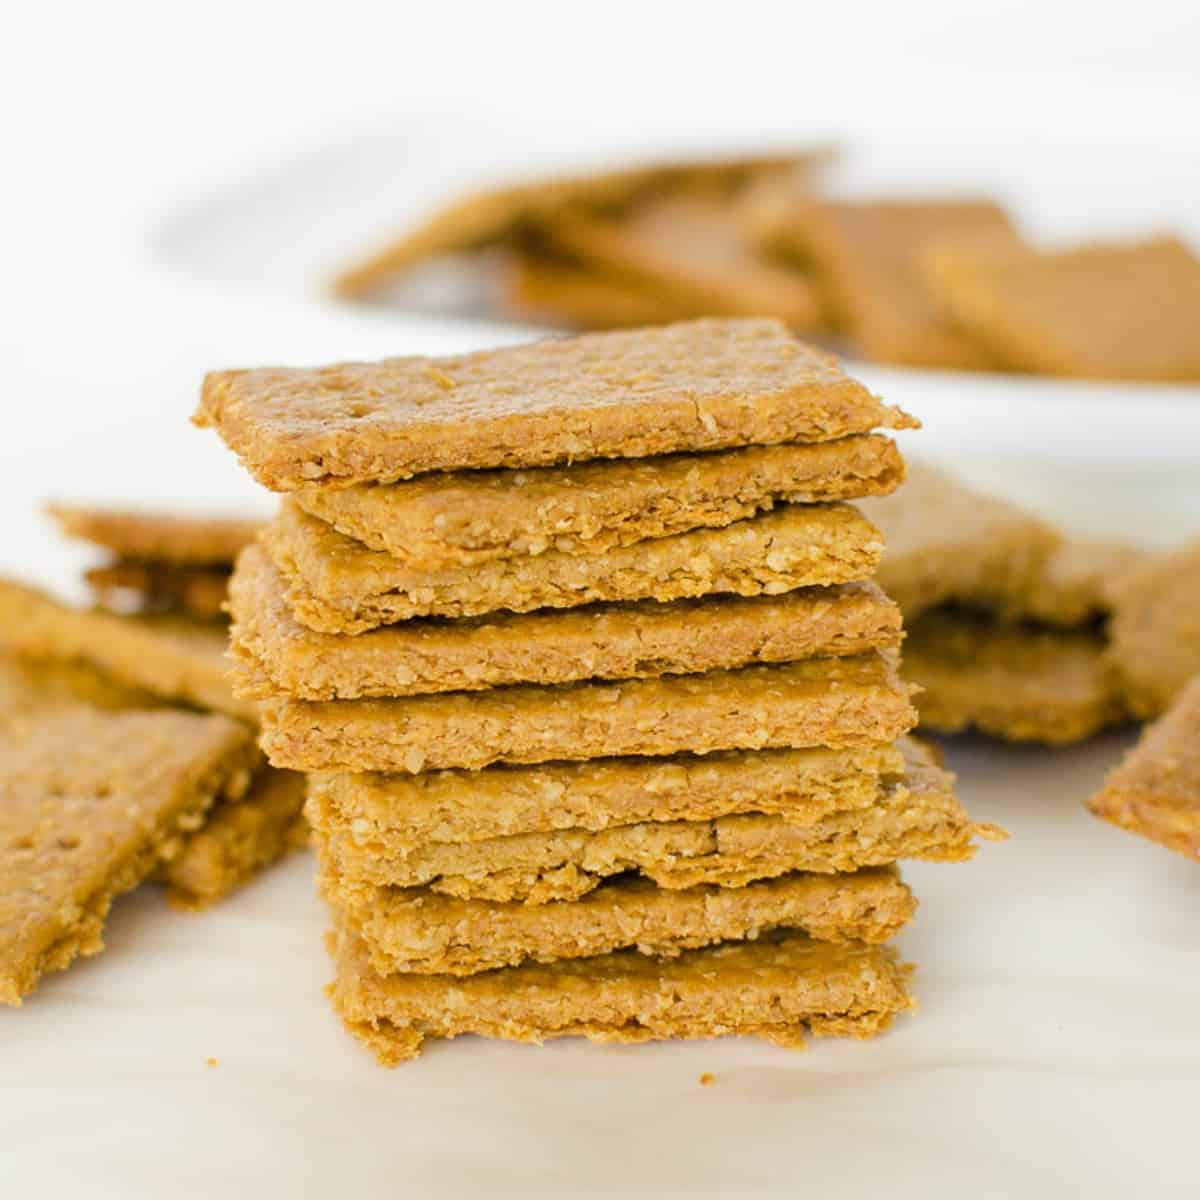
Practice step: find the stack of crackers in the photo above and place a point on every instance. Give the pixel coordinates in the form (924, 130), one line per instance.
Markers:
(601, 710)
(942, 281)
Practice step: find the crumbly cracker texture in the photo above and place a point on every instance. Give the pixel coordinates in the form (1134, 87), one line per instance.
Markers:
(278, 656)
(700, 385)
(815, 702)
(774, 987)
(469, 517)
(336, 585)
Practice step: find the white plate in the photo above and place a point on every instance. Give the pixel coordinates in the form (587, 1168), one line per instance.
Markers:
(1056, 1051)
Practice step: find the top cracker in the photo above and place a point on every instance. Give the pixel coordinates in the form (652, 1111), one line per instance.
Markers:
(699, 385)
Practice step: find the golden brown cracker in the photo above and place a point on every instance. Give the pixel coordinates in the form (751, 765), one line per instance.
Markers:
(1099, 311)
(699, 385)
(1155, 792)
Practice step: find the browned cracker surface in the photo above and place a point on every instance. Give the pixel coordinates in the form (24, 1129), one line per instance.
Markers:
(417, 930)
(557, 293)
(947, 542)
(1012, 681)
(132, 587)
(914, 816)
(694, 249)
(337, 585)
(406, 811)
(1155, 628)
(817, 702)
(159, 537)
(773, 987)
(91, 800)
(238, 840)
(868, 255)
(471, 517)
(700, 385)
(1106, 311)
(506, 214)
(280, 657)
(1155, 792)
(169, 657)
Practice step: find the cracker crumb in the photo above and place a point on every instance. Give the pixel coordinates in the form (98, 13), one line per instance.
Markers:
(212, 1062)
(706, 1078)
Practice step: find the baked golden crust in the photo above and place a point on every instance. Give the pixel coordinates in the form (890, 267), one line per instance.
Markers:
(336, 585)
(700, 385)
(1100, 311)
(914, 815)
(815, 702)
(417, 930)
(471, 517)
(693, 249)
(772, 987)
(170, 657)
(174, 538)
(406, 811)
(237, 840)
(1155, 629)
(869, 258)
(1011, 681)
(279, 657)
(1155, 792)
(508, 215)
(947, 542)
(134, 588)
(91, 801)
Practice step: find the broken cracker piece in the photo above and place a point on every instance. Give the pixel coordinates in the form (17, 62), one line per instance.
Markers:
(1155, 792)
(91, 801)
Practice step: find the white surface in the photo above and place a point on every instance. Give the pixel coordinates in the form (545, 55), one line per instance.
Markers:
(1056, 1052)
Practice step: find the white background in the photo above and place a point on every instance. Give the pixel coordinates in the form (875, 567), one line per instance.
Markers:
(1058, 1047)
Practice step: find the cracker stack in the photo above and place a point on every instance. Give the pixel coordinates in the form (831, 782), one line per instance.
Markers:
(601, 710)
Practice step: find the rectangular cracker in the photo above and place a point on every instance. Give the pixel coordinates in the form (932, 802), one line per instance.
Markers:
(91, 800)
(1155, 792)
(1099, 311)
(406, 811)
(473, 517)
(238, 839)
(869, 257)
(337, 585)
(168, 656)
(508, 215)
(550, 292)
(832, 702)
(134, 588)
(1077, 582)
(1155, 629)
(178, 539)
(946, 542)
(1016, 682)
(700, 385)
(694, 249)
(915, 815)
(773, 988)
(279, 657)
(419, 931)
